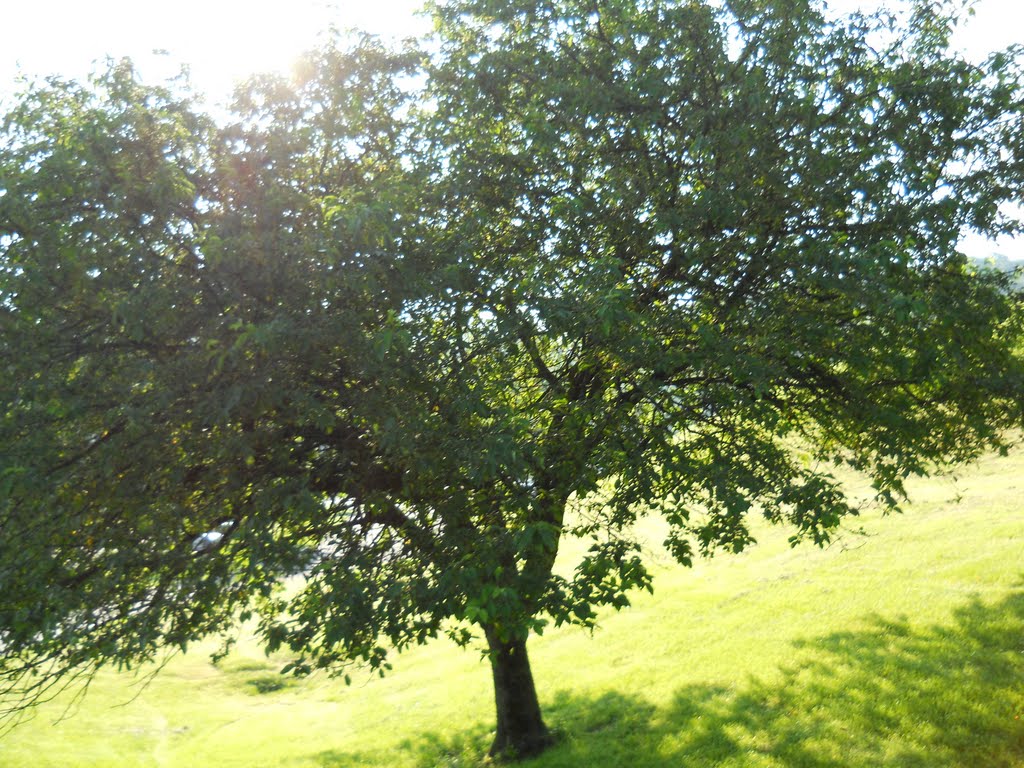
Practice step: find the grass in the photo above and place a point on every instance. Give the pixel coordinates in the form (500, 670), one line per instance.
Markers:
(900, 647)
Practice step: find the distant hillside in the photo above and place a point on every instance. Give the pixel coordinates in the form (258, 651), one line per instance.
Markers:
(1003, 264)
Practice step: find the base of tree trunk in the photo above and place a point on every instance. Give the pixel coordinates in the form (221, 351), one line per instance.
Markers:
(520, 749)
(520, 730)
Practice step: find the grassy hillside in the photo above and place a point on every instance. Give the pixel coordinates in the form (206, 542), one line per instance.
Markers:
(900, 647)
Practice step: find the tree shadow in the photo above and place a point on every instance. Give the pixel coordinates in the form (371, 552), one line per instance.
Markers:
(890, 694)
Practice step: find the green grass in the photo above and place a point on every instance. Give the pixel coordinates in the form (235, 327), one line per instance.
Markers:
(901, 647)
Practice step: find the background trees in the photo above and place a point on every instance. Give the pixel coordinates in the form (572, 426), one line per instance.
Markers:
(412, 319)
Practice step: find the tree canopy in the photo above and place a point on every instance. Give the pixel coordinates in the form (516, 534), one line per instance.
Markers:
(404, 323)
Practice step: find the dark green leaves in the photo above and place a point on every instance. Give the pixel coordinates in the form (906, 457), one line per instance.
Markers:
(410, 320)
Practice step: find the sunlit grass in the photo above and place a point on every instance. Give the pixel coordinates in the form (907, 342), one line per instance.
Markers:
(901, 647)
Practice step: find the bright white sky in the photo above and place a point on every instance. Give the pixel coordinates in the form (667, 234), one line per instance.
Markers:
(225, 40)
(222, 41)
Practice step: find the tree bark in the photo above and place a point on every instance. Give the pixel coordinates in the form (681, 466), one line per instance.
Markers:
(520, 730)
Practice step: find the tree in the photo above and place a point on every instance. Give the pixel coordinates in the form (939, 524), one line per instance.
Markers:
(412, 320)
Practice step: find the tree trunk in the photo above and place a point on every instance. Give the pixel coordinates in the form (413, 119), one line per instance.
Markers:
(520, 731)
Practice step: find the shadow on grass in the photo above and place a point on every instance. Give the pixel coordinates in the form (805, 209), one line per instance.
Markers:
(888, 695)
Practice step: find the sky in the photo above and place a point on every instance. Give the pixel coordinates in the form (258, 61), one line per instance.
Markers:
(223, 41)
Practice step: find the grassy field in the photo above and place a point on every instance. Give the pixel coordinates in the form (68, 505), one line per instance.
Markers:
(900, 647)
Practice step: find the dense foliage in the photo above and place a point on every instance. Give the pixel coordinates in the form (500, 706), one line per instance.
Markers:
(405, 323)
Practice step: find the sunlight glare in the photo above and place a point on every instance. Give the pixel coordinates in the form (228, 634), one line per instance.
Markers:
(222, 41)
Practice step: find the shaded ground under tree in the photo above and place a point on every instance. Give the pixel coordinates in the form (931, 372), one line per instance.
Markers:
(889, 694)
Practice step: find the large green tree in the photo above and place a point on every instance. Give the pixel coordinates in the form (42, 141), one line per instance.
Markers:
(407, 322)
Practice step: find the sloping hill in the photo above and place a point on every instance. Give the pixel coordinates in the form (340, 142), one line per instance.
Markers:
(901, 646)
